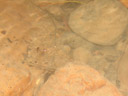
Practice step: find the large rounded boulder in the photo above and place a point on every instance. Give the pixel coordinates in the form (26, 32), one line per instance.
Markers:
(101, 21)
(77, 80)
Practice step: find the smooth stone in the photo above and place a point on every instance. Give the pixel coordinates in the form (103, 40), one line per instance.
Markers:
(101, 21)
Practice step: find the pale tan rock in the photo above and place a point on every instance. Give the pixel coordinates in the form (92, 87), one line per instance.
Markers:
(125, 2)
(26, 35)
(13, 81)
(77, 80)
(100, 21)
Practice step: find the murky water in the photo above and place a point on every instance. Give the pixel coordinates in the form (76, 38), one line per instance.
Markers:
(41, 36)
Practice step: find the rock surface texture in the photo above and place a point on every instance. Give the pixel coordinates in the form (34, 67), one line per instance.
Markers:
(125, 2)
(13, 81)
(77, 80)
(38, 39)
(101, 21)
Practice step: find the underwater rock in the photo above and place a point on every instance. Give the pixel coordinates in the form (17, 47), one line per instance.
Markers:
(125, 2)
(13, 81)
(100, 21)
(77, 80)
